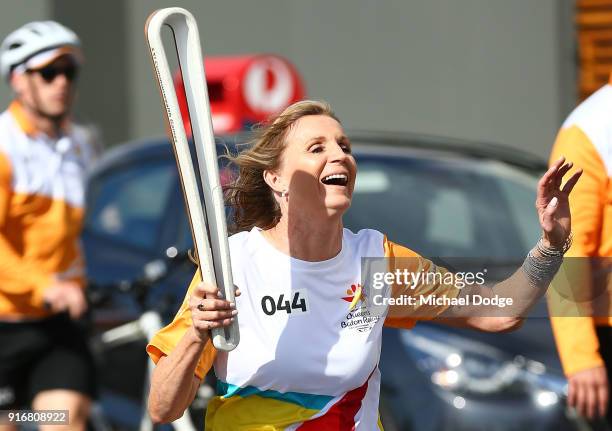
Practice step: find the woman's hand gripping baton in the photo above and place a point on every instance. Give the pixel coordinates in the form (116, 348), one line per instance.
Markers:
(213, 256)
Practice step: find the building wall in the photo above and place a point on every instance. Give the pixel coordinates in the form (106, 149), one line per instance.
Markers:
(14, 14)
(489, 70)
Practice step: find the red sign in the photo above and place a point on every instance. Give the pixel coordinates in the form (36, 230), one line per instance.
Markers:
(244, 90)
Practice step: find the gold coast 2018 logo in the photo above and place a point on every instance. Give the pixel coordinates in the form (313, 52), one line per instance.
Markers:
(355, 295)
(358, 317)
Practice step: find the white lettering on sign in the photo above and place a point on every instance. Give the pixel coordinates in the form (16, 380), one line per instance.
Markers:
(268, 85)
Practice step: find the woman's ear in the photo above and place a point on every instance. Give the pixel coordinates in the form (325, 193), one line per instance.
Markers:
(273, 181)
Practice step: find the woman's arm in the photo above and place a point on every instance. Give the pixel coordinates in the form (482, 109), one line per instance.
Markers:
(528, 283)
(492, 318)
(174, 382)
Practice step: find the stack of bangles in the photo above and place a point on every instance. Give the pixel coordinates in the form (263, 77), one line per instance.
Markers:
(542, 263)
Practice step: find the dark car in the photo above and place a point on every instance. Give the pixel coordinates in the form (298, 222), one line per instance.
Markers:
(445, 199)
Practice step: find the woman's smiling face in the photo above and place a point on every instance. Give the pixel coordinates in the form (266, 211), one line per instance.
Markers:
(317, 167)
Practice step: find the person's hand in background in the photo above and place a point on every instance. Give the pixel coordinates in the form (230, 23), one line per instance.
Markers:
(588, 392)
(65, 296)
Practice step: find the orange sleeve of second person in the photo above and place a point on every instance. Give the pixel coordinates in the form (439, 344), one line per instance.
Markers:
(575, 333)
(19, 276)
(167, 338)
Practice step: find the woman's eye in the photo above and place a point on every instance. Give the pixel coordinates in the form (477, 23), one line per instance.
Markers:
(317, 149)
(346, 149)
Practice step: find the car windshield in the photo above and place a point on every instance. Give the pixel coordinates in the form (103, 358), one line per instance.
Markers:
(447, 207)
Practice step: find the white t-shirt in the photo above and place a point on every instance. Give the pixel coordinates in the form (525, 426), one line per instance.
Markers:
(308, 353)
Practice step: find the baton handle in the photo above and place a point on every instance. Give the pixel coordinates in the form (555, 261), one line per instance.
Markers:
(207, 219)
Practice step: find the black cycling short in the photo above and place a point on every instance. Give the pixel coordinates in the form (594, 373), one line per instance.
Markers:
(41, 355)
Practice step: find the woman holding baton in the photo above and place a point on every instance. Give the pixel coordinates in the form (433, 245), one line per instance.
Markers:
(310, 335)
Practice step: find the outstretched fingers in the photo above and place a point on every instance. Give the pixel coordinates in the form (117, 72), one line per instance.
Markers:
(550, 183)
(569, 185)
(558, 176)
(550, 174)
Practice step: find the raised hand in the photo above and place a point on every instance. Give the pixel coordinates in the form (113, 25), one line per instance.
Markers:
(552, 203)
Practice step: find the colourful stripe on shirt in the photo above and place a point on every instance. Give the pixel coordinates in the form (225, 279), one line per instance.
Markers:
(309, 401)
(341, 416)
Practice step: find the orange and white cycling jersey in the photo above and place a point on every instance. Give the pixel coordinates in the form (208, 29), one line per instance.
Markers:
(42, 185)
(586, 139)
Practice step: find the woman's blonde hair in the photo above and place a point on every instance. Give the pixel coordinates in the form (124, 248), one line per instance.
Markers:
(249, 196)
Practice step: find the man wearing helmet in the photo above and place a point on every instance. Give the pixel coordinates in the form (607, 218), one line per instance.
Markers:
(44, 359)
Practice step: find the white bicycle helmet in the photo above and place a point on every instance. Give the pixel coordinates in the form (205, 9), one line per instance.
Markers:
(31, 39)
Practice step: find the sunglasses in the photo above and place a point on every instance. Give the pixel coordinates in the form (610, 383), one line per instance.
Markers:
(49, 73)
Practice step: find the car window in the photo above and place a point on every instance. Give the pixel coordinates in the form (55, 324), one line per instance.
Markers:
(128, 204)
(457, 231)
(446, 208)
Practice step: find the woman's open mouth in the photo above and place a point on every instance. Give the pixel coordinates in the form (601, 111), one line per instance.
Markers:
(335, 180)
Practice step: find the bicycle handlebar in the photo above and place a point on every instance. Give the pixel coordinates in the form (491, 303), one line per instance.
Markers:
(152, 272)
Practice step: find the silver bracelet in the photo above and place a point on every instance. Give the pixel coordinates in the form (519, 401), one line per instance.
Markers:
(541, 267)
(553, 251)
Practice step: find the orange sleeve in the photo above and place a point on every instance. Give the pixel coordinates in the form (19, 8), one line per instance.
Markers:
(405, 316)
(588, 197)
(20, 275)
(575, 336)
(6, 175)
(167, 338)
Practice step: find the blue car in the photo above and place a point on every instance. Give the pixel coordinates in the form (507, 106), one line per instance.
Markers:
(458, 203)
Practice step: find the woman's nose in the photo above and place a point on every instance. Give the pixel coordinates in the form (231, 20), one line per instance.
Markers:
(337, 153)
